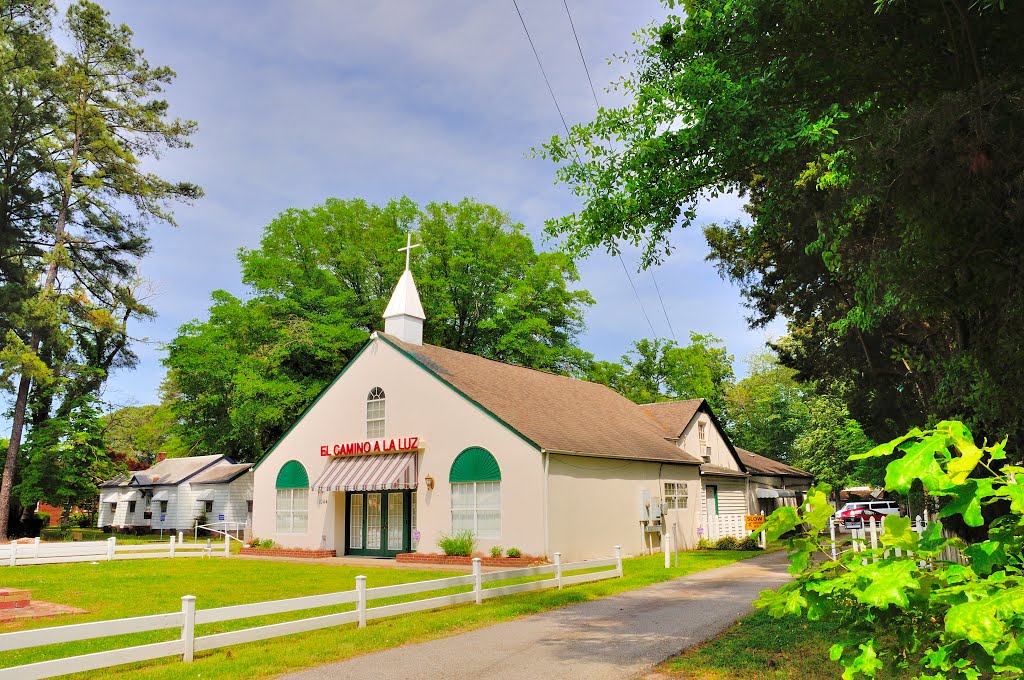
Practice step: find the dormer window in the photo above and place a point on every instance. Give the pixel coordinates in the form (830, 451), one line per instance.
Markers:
(375, 414)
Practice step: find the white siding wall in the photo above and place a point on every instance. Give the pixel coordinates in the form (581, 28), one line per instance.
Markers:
(732, 496)
(228, 500)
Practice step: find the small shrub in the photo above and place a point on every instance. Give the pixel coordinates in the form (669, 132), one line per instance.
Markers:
(268, 544)
(460, 544)
(705, 544)
(726, 543)
(80, 520)
(87, 535)
(496, 551)
(748, 543)
(514, 552)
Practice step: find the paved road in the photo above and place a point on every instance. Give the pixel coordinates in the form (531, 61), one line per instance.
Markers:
(616, 637)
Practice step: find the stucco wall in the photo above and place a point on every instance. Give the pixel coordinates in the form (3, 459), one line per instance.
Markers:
(417, 404)
(595, 504)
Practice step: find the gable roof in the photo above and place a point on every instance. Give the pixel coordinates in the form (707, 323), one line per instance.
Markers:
(552, 412)
(758, 464)
(673, 416)
(221, 474)
(168, 472)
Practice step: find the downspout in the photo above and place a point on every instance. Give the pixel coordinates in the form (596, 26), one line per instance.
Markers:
(544, 501)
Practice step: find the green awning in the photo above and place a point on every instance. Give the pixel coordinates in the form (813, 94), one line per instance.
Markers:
(475, 465)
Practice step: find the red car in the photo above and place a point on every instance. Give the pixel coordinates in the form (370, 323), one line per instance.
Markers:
(858, 518)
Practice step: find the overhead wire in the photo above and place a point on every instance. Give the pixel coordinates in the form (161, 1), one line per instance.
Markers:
(542, 71)
(593, 91)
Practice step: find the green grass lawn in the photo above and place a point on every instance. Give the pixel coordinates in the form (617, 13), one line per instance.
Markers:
(110, 590)
(760, 647)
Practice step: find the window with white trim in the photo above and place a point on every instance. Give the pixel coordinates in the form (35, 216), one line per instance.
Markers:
(476, 507)
(292, 511)
(702, 434)
(676, 495)
(375, 413)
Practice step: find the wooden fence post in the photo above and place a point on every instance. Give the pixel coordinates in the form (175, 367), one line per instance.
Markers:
(478, 583)
(111, 547)
(172, 545)
(14, 552)
(361, 600)
(618, 560)
(667, 548)
(227, 543)
(558, 570)
(188, 627)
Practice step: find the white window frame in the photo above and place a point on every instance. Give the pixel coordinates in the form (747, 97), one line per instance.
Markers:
(292, 512)
(475, 509)
(677, 495)
(375, 413)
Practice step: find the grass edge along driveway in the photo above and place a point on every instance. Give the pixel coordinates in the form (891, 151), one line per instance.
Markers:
(224, 585)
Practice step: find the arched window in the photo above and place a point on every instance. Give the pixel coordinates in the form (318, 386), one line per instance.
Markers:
(476, 493)
(292, 498)
(375, 413)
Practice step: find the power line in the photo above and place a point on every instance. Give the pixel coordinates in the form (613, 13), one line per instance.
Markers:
(582, 58)
(663, 309)
(593, 91)
(542, 71)
(630, 278)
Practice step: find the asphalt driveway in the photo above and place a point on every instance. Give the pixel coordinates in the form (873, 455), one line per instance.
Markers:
(621, 636)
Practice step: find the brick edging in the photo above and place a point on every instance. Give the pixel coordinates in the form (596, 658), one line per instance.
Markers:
(425, 558)
(289, 552)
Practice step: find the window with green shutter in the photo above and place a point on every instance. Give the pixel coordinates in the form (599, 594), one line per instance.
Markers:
(476, 493)
(292, 510)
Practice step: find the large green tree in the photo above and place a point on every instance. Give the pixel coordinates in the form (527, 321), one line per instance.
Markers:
(767, 411)
(658, 370)
(878, 147)
(319, 283)
(98, 116)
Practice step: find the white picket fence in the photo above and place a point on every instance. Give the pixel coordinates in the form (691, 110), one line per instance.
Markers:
(15, 554)
(719, 526)
(869, 534)
(189, 617)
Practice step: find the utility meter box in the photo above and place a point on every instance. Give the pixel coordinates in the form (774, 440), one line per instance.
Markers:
(645, 505)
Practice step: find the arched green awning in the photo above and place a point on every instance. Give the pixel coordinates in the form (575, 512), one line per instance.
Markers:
(475, 465)
(292, 476)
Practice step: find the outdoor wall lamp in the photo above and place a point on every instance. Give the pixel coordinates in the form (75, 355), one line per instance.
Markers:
(430, 482)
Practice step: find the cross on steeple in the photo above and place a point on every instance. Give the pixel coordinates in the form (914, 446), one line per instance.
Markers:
(408, 247)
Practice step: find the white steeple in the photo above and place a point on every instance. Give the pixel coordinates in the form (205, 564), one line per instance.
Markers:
(404, 315)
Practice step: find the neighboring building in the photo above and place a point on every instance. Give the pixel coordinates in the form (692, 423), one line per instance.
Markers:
(55, 513)
(175, 491)
(774, 484)
(411, 442)
(692, 426)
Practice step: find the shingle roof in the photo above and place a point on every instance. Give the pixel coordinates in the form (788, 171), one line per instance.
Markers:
(672, 416)
(170, 471)
(219, 474)
(757, 463)
(554, 412)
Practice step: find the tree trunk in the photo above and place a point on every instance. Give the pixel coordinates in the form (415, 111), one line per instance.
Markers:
(20, 406)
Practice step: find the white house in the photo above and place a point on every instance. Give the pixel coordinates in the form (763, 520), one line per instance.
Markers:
(774, 484)
(175, 491)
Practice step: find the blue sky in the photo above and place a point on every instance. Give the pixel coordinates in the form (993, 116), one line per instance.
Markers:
(304, 100)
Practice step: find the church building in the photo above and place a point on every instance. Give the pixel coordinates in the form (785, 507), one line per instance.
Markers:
(411, 442)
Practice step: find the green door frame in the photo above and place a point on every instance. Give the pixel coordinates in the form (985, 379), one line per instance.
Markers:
(406, 523)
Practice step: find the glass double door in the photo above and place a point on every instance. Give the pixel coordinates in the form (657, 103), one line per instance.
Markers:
(377, 523)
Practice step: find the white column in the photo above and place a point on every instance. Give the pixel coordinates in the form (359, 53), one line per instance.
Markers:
(667, 548)
(14, 552)
(558, 570)
(227, 542)
(478, 584)
(172, 545)
(111, 547)
(188, 627)
(618, 559)
(361, 600)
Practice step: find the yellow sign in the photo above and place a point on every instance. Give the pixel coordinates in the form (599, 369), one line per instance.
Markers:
(754, 522)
